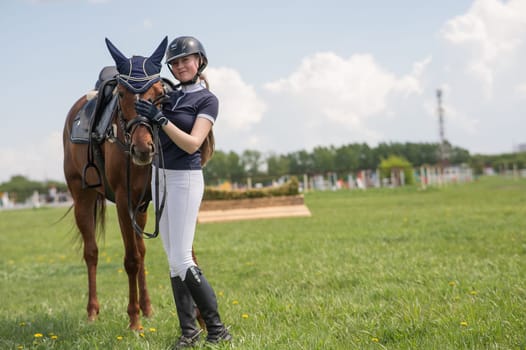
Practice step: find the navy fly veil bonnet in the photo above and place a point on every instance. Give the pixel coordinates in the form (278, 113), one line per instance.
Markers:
(138, 73)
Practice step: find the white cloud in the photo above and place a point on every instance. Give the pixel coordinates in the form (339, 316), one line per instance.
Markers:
(490, 34)
(347, 92)
(411, 83)
(240, 109)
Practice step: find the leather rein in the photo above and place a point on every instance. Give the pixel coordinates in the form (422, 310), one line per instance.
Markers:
(128, 128)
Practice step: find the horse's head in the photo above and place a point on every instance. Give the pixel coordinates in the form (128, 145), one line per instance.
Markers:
(139, 78)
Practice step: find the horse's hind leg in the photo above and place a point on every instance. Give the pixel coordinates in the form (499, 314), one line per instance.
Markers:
(85, 216)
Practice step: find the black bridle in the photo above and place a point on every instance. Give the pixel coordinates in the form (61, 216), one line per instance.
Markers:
(129, 127)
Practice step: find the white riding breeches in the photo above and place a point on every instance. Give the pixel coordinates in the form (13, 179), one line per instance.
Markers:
(184, 192)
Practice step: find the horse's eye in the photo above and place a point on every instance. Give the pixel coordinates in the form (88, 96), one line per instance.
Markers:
(121, 94)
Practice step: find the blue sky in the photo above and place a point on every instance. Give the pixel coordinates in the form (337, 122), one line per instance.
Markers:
(290, 75)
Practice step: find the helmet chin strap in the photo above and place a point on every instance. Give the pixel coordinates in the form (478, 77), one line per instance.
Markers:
(192, 81)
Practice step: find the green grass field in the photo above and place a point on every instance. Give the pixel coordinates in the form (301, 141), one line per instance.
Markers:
(381, 269)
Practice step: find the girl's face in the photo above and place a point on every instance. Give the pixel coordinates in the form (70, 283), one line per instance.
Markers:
(185, 68)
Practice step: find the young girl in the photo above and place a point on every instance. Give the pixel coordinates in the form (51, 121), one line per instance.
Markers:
(186, 119)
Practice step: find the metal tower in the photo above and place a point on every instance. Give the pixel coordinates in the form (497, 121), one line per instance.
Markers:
(443, 152)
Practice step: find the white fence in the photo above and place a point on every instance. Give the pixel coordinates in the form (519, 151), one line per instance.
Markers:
(363, 179)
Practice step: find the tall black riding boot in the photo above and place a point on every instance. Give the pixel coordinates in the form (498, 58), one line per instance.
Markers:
(206, 301)
(186, 313)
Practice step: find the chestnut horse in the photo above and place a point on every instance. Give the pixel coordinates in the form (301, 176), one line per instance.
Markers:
(122, 174)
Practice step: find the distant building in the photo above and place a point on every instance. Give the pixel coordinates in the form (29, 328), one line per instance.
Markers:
(521, 147)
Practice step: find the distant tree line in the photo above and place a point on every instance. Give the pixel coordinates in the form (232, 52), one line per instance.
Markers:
(322, 160)
(342, 160)
(499, 162)
(21, 188)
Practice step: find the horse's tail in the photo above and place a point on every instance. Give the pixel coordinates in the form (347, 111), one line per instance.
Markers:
(100, 214)
(63, 216)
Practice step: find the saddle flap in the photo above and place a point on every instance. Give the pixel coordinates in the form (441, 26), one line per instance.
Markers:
(82, 122)
(94, 118)
(105, 120)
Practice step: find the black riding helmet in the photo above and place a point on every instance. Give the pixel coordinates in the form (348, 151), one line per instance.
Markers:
(184, 46)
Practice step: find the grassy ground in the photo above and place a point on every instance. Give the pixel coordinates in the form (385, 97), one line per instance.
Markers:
(381, 269)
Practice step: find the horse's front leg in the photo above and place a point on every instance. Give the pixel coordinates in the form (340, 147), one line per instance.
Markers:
(134, 251)
(144, 297)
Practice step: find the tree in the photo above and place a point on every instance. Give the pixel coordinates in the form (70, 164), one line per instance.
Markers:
(20, 188)
(224, 167)
(458, 155)
(323, 159)
(251, 161)
(215, 169)
(235, 166)
(368, 158)
(300, 163)
(346, 159)
(397, 164)
(277, 165)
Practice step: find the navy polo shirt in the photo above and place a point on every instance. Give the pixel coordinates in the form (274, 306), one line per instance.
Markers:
(182, 109)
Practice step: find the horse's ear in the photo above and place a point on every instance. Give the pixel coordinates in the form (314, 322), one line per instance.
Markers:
(118, 57)
(158, 54)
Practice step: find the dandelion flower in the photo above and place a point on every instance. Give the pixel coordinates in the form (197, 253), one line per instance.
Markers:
(141, 334)
(221, 293)
(464, 324)
(38, 335)
(20, 347)
(452, 283)
(235, 302)
(375, 340)
(244, 315)
(120, 270)
(473, 292)
(22, 324)
(119, 337)
(54, 337)
(153, 330)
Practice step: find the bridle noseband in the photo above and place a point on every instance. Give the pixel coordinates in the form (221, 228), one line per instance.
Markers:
(130, 126)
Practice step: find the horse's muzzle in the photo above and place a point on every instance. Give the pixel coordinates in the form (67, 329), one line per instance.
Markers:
(142, 157)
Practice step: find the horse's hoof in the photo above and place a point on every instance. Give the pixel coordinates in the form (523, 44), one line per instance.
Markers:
(136, 327)
(147, 313)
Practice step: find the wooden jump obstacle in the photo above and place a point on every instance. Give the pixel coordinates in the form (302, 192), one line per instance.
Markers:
(252, 208)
